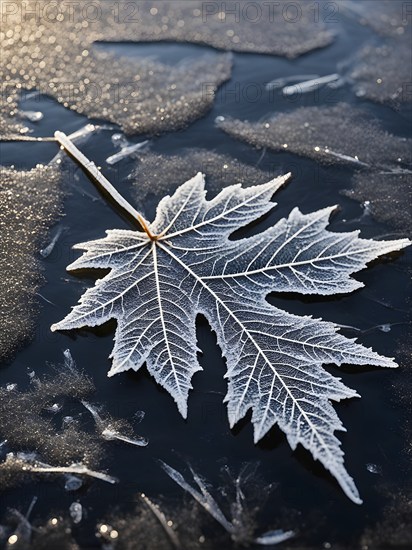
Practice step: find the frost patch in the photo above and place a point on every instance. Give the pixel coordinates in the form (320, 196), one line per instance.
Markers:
(388, 17)
(161, 174)
(46, 442)
(242, 524)
(58, 58)
(287, 29)
(27, 426)
(383, 73)
(20, 534)
(29, 204)
(389, 196)
(311, 132)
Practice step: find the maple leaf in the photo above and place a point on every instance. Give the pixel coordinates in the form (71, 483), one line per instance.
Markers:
(184, 264)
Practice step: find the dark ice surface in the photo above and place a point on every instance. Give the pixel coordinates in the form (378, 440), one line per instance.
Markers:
(377, 444)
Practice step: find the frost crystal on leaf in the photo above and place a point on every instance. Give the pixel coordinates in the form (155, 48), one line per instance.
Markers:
(157, 175)
(185, 264)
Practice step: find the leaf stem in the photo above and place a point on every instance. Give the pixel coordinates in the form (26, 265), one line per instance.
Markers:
(92, 169)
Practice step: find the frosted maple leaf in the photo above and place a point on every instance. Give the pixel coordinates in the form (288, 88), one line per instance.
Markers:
(184, 264)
